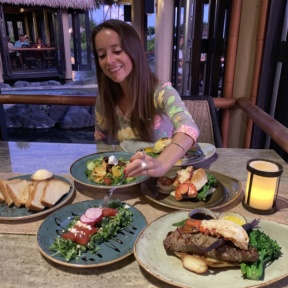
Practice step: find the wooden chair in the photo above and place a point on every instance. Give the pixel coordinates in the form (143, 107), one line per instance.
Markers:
(203, 111)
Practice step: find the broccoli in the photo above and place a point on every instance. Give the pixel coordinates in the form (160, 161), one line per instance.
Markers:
(268, 249)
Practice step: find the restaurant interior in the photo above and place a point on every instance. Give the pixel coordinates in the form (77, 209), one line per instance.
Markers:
(55, 230)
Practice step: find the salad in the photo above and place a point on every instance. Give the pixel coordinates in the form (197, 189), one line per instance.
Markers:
(107, 170)
(87, 231)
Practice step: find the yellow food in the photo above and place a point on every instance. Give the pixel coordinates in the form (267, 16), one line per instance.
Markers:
(194, 264)
(234, 219)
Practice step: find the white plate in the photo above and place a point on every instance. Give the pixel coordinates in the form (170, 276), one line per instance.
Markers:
(207, 148)
(151, 255)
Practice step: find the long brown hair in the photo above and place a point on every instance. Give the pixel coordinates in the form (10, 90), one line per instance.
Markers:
(142, 83)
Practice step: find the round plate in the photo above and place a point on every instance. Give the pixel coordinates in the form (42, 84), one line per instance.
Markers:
(77, 170)
(110, 252)
(151, 255)
(207, 149)
(14, 213)
(228, 189)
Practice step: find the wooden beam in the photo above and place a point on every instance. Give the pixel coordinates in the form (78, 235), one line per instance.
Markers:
(272, 127)
(48, 99)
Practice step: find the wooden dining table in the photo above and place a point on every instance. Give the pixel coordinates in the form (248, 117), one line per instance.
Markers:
(21, 263)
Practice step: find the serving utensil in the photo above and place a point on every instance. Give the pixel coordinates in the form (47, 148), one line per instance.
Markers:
(110, 191)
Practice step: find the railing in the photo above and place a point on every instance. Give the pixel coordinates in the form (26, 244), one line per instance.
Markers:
(273, 128)
(220, 103)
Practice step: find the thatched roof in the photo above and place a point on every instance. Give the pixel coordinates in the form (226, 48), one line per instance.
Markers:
(75, 4)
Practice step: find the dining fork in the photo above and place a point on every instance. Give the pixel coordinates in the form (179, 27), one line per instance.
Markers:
(110, 192)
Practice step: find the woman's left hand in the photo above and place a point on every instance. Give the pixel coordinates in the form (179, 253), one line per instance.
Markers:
(143, 164)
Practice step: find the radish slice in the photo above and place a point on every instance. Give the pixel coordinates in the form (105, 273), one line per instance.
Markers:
(85, 220)
(94, 214)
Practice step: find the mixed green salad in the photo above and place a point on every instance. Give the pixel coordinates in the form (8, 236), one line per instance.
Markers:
(79, 237)
(107, 170)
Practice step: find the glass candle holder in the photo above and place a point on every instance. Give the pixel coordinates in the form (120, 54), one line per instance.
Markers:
(262, 186)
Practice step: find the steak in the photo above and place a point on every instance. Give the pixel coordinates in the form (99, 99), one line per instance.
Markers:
(200, 244)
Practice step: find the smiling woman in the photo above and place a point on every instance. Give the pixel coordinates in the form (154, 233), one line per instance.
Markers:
(133, 104)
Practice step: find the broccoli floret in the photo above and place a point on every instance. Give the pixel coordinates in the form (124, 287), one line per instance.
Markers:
(268, 249)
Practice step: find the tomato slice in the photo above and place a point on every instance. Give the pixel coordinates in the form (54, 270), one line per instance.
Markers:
(80, 235)
(68, 235)
(107, 180)
(82, 239)
(87, 231)
(109, 212)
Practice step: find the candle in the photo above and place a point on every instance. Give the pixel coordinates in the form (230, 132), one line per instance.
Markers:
(263, 188)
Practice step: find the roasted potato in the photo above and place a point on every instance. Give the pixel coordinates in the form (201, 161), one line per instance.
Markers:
(210, 262)
(194, 264)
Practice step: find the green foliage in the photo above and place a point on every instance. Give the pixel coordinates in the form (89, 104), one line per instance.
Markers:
(150, 45)
(207, 189)
(268, 249)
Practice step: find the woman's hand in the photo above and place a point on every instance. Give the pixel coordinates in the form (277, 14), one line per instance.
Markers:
(143, 164)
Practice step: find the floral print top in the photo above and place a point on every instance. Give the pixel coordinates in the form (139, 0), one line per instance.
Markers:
(172, 117)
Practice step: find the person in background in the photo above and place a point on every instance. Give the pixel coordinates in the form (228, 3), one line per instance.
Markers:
(12, 53)
(133, 104)
(39, 42)
(18, 44)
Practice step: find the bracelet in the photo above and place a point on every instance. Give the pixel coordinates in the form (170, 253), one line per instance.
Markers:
(178, 144)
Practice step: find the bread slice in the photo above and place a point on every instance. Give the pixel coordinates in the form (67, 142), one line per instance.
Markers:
(199, 178)
(34, 202)
(54, 190)
(15, 189)
(2, 199)
(5, 193)
(26, 193)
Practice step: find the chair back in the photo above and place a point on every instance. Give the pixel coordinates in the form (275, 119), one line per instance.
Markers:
(203, 112)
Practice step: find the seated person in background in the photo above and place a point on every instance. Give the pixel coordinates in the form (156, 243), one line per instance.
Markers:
(39, 43)
(12, 54)
(18, 44)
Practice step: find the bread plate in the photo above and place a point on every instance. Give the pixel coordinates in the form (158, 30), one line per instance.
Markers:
(228, 190)
(152, 257)
(14, 213)
(78, 168)
(193, 156)
(110, 252)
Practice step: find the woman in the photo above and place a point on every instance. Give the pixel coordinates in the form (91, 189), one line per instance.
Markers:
(133, 104)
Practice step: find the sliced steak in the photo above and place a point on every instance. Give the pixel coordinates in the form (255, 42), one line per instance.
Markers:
(201, 244)
(191, 243)
(231, 253)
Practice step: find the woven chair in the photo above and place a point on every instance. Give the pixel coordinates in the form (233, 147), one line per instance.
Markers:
(203, 111)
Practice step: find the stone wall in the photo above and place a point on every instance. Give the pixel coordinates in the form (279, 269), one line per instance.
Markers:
(48, 116)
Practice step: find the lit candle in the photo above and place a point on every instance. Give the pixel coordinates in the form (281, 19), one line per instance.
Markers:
(263, 189)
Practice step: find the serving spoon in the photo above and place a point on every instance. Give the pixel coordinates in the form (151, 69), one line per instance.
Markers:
(110, 192)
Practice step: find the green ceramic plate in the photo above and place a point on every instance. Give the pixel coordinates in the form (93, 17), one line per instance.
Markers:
(152, 257)
(14, 213)
(110, 252)
(228, 189)
(77, 170)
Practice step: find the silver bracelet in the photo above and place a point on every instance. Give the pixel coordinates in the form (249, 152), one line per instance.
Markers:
(178, 144)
